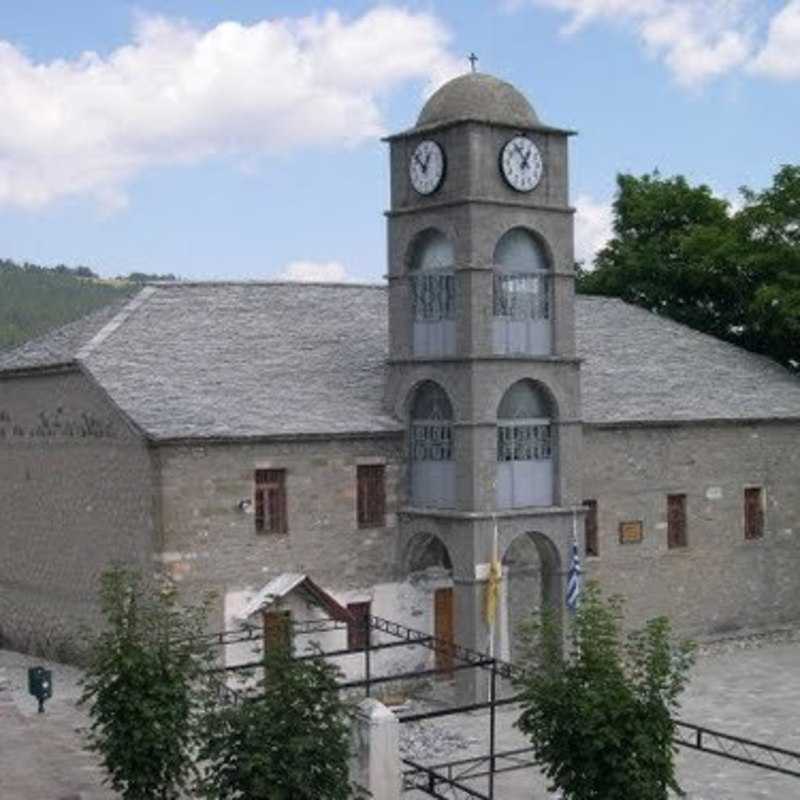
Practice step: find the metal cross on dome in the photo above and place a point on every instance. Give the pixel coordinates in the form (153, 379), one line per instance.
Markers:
(473, 60)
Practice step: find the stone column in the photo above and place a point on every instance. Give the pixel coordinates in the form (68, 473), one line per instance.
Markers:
(376, 760)
(471, 631)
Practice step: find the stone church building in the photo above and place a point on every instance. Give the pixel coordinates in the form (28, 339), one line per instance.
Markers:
(381, 439)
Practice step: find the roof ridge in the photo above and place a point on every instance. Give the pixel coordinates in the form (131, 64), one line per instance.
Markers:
(221, 283)
(115, 322)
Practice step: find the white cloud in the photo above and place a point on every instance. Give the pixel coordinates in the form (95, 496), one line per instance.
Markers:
(780, 56)
(178, 94)
(314, 272)
(697, 39)
(593, 227)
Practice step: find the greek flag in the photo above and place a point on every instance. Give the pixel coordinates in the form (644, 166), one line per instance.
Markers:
(574, 580)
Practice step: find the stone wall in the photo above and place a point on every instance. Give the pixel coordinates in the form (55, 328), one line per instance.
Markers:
(211, 544)
(720, 581)
(75, 494)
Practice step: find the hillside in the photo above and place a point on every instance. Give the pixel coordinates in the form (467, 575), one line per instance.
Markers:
(35, 299)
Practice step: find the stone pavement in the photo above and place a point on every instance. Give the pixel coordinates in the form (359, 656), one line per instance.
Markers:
(41, 755)
(747, 687)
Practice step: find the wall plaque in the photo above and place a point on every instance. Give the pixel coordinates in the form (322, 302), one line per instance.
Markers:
(630, 532)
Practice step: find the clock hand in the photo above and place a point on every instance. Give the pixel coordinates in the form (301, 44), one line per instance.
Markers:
(419, 161)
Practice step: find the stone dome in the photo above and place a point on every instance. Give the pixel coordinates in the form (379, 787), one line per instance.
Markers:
(478, 96)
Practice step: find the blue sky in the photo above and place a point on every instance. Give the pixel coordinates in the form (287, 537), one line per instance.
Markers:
(241, 139)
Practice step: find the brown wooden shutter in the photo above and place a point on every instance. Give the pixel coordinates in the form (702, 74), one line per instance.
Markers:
(362, 498)
(270, 501)
(277, 630)
(676, 520)
(259, 509)
(371, 496)
(753, 513)
(590, 528)
(358, 631)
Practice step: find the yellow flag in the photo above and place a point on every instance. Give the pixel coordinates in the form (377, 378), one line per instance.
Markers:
(493, 590)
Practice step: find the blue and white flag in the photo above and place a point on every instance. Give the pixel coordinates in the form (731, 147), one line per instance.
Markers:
(574, 574)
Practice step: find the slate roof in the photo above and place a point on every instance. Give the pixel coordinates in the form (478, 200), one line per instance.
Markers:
(249, 360)
(60, 345)
(639, 367)
(239, 360)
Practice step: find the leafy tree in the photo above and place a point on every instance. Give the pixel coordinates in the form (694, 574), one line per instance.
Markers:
(680, 251)
(79, 272)
(599, 717)
(146, 277)
(144, 687)
(289, 740)
(769, 224)
(672, 252)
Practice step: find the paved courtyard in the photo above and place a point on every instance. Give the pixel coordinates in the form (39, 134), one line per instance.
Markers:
(748, 687)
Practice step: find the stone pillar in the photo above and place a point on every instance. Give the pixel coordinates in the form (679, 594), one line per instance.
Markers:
(471, 631)
(376, 758)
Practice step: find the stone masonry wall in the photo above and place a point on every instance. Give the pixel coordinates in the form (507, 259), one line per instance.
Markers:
(75, 494)
(720, 581)
(211, 544)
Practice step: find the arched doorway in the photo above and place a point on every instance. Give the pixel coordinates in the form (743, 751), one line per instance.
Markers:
(532, 582)
(430, 573)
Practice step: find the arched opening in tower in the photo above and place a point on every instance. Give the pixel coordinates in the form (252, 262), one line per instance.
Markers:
(532, 582)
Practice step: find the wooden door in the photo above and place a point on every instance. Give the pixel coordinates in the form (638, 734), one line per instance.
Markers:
(277, 630)
(443, 629)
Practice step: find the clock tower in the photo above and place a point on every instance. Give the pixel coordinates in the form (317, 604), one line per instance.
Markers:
(482, 366)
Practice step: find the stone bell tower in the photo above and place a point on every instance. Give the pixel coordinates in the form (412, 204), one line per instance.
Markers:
(482, 365)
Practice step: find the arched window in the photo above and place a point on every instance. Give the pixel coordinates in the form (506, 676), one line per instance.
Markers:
(525, 448)
(522, 295)
(432, 465)
(433, 293)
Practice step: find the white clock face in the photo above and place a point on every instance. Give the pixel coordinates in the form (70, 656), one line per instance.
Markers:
(521, 163)
(426, 167)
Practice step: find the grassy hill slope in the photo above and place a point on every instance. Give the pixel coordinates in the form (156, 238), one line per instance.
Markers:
(35, 299)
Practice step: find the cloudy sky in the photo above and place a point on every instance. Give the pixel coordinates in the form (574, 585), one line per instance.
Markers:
(241, 138)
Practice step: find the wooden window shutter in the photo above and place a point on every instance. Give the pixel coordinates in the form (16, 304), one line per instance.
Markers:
(753, 513)
(676, 521)
(270, 501)
(358, 632)
(259, 507)
(371, 496)
(590, 528)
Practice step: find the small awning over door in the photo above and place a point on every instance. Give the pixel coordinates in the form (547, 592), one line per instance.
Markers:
(291, 582)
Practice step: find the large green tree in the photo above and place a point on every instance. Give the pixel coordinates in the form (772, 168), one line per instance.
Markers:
(600, 716)
(769, 225)
(146, 687)
(680, 251)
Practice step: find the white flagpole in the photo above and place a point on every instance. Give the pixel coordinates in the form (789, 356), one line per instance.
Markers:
(491, 567)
